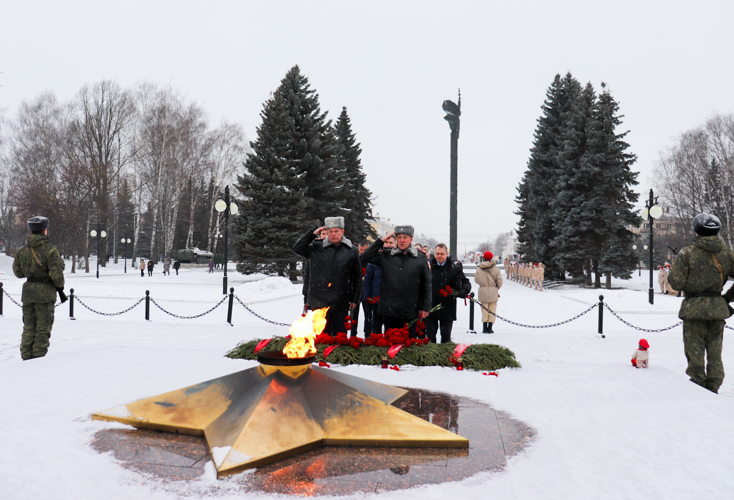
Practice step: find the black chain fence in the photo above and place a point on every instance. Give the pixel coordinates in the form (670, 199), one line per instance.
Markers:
(188, 317)
(108, 314)
(231, 296)
(258, 316)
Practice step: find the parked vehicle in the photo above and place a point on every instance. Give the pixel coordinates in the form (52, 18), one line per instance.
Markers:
(193, 255)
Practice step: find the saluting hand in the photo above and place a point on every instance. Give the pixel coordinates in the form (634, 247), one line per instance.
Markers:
(384, 240)
(318, 231)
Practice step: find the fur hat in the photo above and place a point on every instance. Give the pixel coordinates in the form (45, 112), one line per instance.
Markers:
(706, 224)
(37, 223)
(488, 255)
(409, 230)
(334, 222)
(644, 344)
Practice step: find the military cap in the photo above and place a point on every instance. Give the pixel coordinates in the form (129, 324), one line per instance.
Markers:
(37, 223)
(706, 224)
(334, 222)
(408, 230)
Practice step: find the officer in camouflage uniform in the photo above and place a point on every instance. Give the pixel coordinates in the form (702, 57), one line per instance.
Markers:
(38, 261)
(701, 270)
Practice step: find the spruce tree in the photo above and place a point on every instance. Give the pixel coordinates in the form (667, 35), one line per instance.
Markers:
(573, 206)
(357, 198)
(273, 204)
(313, 149)
(538, 186)
(614, 181)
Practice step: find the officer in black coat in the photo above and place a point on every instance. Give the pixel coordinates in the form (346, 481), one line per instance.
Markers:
(335, 278)
(445, 271)
(405, 288)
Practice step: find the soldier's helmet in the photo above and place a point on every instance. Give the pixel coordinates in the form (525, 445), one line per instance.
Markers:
(706, 224)
(37, 223)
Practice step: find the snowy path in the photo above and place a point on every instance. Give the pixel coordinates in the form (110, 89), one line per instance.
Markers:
(605, 429)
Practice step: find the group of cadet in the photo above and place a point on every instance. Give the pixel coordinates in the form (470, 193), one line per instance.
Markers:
(528, 274)
(401, 283)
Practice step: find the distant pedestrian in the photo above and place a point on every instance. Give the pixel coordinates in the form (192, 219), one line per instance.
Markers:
(507, 267)
(176, 266)
(211, 266)
(701, 270)
(150, 267)
(166, 267)
(405, 288)
(489, 279)
(335, 276)
(662, 275)
(142, 268)
(41, 264)
(446, 271)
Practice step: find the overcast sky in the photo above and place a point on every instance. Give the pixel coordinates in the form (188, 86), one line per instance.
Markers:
(667, 63)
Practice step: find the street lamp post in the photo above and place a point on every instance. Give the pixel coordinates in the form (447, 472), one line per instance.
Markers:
(651, 212)
(125, 241)
(99, 235)
(228, 208)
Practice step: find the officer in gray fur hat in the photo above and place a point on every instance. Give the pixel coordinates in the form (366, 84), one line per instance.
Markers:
(405, 290)
(701, 270)
(335, 273)
(42, 266)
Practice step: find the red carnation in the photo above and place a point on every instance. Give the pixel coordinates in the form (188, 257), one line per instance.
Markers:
(395, 367)
(348, 325)
(443, 293)
(321, 363)
(426, 341)
(348, 318)
(364, 271)
(449, 290)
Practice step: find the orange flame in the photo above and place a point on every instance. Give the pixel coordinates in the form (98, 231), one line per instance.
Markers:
(303, 333)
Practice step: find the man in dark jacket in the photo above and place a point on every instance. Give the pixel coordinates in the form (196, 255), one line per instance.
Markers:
(307, 273)
(405, 289)
(446, 272)
(361, 247)
(701, 271)
(335, 279)
(371, 293)
(40, 263)
(177, 266)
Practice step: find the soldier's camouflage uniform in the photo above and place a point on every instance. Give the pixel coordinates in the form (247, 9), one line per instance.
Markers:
(39, 293)
(704, 309)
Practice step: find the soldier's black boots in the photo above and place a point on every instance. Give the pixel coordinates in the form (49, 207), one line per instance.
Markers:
(489, 328)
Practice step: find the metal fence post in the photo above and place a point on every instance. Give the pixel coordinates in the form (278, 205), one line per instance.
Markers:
(601, 316)
(231, 302)
(471, 313)
(1, 298)
(71, 304)
(147, 305)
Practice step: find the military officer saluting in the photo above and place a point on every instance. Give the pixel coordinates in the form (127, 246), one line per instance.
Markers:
(42, 266)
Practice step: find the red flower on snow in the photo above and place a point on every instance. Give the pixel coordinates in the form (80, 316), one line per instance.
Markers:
(322, 363)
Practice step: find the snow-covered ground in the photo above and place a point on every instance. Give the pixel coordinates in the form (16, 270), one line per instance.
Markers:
(605, 429)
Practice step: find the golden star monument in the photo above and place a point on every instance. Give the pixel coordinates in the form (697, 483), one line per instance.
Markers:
(260, 415)
(283, 407)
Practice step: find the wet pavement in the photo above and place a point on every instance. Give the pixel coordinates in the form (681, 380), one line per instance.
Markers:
(342, 470)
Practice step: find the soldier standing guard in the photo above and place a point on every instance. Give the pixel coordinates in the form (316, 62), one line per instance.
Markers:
(701, 271)
(41, 264)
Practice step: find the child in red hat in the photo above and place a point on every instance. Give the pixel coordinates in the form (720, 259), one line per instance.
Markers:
(641, 358)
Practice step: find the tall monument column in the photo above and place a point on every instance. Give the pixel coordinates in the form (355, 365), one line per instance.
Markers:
(453, 112)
